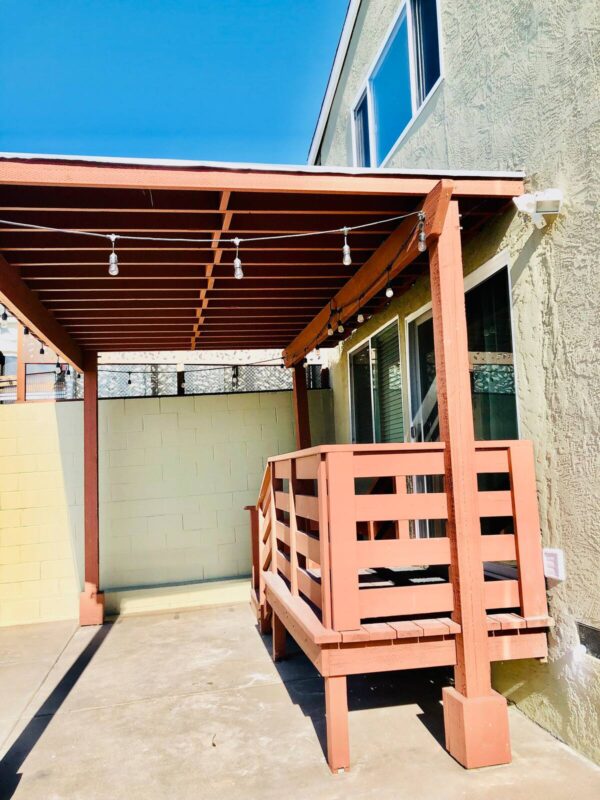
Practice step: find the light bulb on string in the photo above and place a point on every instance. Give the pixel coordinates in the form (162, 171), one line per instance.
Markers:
(238, 272)
(42, 351)
(113, 261)
(4, 322)
(340, 327)
(129, 379)
(389, 292)
(68, 370)
(57, 367)
(360, 318)
(346, 254)
(25, 331)
(422, 241)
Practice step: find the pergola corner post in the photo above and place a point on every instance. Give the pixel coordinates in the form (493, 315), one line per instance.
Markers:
(91, 600)
(301, 412)
(475, 716)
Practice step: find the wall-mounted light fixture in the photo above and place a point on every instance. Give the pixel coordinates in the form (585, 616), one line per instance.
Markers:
(538, 205)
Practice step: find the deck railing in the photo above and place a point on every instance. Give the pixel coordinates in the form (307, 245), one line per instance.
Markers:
(341, 524)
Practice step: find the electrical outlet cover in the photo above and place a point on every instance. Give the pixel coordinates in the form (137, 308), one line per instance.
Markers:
(554, 563)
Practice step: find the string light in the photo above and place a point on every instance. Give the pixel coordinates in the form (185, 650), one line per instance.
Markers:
(113, 261)
(346, 254)
(26, 331)
(68, 370)
(4, 321)
(42, 351)
(238, 272)
(129, 379)
(422, 243)
(340, 327)
(57, 367)
(360, 318)
(389, 292)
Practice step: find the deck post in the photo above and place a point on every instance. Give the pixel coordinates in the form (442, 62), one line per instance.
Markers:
(91, 600)
(301, 417)
(336, 722)
(475, 717)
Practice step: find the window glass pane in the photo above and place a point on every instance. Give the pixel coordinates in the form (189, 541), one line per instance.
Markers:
(391, 91)
(361, 125)
(491, 356)
(362, 416)
(387, 386)
(426, 46)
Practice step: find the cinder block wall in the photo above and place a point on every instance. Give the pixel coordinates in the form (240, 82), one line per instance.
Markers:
(175, 474)
(41, 511)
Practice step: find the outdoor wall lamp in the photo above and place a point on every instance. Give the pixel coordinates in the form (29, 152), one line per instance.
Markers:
(539, 204)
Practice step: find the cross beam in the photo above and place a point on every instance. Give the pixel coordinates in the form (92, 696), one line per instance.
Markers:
(385, 263)
(23, 304)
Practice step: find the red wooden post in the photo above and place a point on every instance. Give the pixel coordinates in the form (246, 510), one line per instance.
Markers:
(532, 586)
(21, 365)
(301, 417)
(345, 609)
(336, 721)
(91, 601)
(475, 717)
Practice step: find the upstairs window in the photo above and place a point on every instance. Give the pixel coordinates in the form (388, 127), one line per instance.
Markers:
(404, 75)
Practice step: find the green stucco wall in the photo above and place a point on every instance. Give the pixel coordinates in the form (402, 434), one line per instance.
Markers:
(521, 90)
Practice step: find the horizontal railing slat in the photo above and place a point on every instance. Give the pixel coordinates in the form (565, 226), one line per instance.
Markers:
(383, 507)
(381, 465)
(282, 501)
(498, 547)
(494, 504)
(307, 467)
(283, 469)
(402, 552)
(309, 587)
(490, 460)
(307, 506)
(406, 600)
(501, 594)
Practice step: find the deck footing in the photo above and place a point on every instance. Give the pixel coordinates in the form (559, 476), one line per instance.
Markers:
(476, 729)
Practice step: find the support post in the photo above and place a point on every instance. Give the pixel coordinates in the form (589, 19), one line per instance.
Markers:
(301, 418)
(336, 721)
(91, 601)
(21, 365)
(475, 717)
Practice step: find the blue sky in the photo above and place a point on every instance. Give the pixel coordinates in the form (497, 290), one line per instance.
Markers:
(228, 80)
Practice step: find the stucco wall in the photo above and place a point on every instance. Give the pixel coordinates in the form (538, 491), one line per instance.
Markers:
(522, 90)
(175, 474)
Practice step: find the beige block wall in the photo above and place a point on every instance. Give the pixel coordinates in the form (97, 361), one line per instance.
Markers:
(175, 474)
(41, 511)
(521, 91)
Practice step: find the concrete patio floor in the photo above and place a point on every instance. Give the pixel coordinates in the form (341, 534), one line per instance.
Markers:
(190, 705)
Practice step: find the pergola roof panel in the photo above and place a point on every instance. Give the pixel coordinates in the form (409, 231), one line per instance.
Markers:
(182, 295)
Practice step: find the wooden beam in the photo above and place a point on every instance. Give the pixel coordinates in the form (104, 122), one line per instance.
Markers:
(91, 604)
(25, 306)
(301, 415)
(475, 717)
(390, 258)
(245, 179)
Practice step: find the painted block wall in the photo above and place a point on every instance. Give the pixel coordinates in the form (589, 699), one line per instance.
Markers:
(41, 511)
(175, 474)
(521, 91)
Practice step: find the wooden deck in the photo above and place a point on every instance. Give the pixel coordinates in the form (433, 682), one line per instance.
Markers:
(337, 563)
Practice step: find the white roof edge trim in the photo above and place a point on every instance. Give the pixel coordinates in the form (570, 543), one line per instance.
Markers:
(228, 165)
(334, 77)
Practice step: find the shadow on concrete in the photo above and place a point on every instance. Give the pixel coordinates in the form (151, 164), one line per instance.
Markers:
(23, 745)
(419, 687)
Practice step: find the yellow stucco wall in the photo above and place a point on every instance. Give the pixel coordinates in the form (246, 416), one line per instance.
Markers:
(41, 513)
(175, 474)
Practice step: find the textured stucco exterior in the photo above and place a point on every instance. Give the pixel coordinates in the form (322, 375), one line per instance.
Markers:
(521, 90)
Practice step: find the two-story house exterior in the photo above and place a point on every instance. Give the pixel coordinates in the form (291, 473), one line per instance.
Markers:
(458, 85)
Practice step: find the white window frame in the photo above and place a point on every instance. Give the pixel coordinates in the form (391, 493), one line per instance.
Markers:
(499, 261)
(359, 346)
(366, 87)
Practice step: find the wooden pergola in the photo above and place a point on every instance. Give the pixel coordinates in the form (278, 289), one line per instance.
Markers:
(184, 296)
